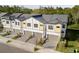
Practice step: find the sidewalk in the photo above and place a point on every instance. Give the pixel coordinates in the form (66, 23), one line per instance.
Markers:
(46, 50)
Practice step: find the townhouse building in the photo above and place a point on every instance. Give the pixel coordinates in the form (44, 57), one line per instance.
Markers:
(55, 24)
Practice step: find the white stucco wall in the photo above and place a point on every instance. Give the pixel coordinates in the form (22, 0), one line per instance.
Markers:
(14, 26)
(5, 24)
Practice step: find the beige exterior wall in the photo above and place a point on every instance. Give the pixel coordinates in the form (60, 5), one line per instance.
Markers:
(57, 29)
(41, 26)
(24, 24)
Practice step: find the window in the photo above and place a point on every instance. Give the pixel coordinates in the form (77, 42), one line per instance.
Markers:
(3, 21)
(57, 26)
(36, 25)
(7, 22)
(50, 27)
(63, 26)
(41, 25)
(62, 31)
(16, 23)
(24, 23)
(28, 24)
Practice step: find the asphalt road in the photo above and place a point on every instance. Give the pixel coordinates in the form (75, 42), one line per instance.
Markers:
(9, 49)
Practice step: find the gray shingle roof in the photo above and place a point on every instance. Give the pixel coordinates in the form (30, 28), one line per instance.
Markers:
(7, 16)
(1, 14)
(40, 18)
(16, 14)
(26, 16)
(56, 18)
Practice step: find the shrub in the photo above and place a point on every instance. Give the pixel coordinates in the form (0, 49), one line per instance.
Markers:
(40, 42)
(1, 27)
(7, 33)
(8, 41)
(17, 36)
(35, 49)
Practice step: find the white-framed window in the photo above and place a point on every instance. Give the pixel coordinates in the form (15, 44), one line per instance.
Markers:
(36, 25)
(41, 25)
(50, 27)
(12, 21)
(62, 31)
(63, 25)
(29, 24)
(57, 26)
(17, 23)
(24, 23)
(7, 22)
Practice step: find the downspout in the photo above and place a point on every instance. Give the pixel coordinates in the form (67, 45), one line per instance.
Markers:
(45, 32)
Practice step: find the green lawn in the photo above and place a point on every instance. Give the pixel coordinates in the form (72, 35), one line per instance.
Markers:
(71, 46)
(1, 37)
(74, 26)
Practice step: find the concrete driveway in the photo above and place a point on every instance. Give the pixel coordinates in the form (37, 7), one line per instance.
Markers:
(52, 41)
(9, 49)
(37, 37)
(25, 36)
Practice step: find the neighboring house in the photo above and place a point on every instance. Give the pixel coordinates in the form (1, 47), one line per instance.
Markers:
(10, 21)
(45, 24)
(1, 14)
(5, 19)
(16, 24)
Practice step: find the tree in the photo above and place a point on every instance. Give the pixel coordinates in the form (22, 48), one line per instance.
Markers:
(1, 27)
